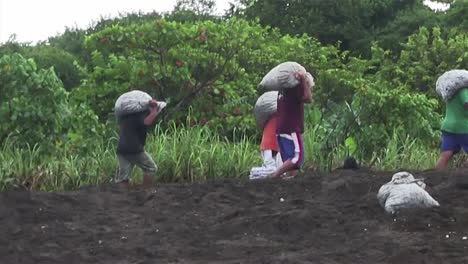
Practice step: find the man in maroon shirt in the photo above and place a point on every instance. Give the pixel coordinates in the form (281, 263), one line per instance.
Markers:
(291, 125)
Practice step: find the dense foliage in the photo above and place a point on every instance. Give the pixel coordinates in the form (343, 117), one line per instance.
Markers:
(211, 68)
(36, 109)
(375, 64)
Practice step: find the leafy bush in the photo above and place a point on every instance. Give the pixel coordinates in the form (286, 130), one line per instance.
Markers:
(33, 102)
(425, 56)
(211, 68)
(65, 64)
(35, 108)
(383, 109)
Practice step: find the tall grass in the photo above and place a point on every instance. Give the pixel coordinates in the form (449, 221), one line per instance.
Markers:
(29, 168)
(400, 152)
(181, 154)
(187, 154)
(404, 153)
(197, 153)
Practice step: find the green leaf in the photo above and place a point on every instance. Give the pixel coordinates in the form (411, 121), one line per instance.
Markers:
(351, 145)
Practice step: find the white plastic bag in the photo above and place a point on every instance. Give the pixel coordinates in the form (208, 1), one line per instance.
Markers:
(265, 106)
(450, 82)
(132, 102)
(282, 76)
(404, 191)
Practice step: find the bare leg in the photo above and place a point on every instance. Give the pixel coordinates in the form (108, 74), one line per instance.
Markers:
(444, 159)
(124, 184)
(124, 171)
(147, 180)
(286, 167)
(146, 163)
(292, 173)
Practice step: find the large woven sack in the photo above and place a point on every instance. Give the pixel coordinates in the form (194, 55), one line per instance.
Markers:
(282, 76)
(310, 79)
(131, 102)
(450, 82)
(404, 191)
(265, 106)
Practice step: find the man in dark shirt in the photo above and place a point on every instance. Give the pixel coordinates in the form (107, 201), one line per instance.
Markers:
(131, 147)
(290, 125)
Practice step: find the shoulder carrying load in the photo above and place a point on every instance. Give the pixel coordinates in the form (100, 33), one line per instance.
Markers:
(282, 76)
(404, 191)
(134, 102)
(450, 82)
(265, 106)
(131, 102)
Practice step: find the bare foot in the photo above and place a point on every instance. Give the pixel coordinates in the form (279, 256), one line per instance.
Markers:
(147, 181)
(125, 185)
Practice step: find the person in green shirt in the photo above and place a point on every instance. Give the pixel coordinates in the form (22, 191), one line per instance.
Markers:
(454, 128)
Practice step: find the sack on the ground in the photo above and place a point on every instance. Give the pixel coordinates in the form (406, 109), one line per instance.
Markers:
(282, 76)
(265, 106)
(404, 191)
(450, 82)
(132, 102)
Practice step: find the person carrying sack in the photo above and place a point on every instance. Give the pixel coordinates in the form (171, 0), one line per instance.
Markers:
(131, 146)
(290, 125)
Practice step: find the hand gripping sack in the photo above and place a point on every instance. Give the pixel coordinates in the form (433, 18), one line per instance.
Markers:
(282, 76)
(131, 102)
(404, 191)
(265, 106)
(450, 82)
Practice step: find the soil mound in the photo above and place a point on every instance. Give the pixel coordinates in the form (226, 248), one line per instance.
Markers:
(317, 218)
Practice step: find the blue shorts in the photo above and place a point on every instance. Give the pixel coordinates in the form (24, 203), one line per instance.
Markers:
(454, 142)
(292, 148)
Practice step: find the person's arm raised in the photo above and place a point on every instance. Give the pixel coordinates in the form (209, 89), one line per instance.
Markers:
(306, 87)
(154, 110)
